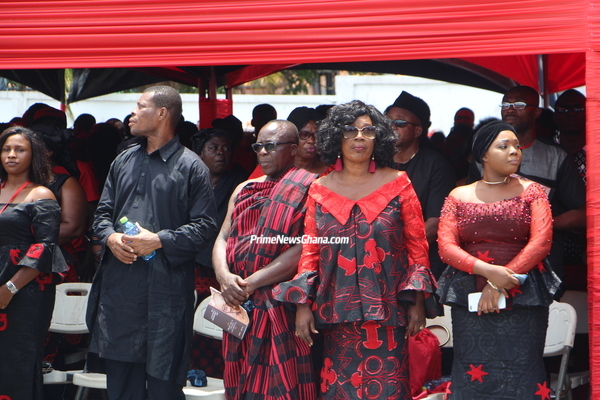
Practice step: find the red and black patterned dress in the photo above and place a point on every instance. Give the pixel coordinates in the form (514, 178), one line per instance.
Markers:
(360, 290)
(28, 238)
(498, 355)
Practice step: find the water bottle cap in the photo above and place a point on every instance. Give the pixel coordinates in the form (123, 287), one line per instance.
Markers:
(123, 220)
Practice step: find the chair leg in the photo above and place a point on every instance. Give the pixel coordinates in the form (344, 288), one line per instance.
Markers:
(562, 373)
(81, 392)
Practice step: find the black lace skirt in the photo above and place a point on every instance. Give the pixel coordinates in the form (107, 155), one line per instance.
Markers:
(499, 355)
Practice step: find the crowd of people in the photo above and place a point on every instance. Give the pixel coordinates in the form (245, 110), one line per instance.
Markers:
(496, 209)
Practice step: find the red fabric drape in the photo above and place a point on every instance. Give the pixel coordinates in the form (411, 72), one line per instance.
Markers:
(593, 214)
(138, 33)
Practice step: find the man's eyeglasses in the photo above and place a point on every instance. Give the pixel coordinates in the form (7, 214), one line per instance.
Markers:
(350, 131)
(400, 123)
(304, 135)
(564, 110)
(517, 105)
(268, 146)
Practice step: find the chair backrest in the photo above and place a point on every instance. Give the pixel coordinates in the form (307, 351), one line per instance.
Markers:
(579, 301)
(203, 326)
(442, 327)
(70, 308)
(562, 320)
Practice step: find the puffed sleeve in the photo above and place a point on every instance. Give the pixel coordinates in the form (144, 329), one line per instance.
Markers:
(540, 235)
(44, 254)
(449, 239)
(302, 288)
(419, 276)
(414, 227)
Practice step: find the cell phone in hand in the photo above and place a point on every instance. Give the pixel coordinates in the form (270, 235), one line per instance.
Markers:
(474, 301)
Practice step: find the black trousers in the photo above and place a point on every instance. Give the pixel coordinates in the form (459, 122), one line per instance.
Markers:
(129, 381)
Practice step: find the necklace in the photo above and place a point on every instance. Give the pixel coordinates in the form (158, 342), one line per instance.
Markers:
(411, 157)
(505, 180)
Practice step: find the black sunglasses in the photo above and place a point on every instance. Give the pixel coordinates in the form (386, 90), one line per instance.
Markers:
(268, 146)
(400, 123)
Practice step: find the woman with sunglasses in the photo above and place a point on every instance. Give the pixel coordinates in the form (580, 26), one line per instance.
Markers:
(364, 268)
(29, 255)
(494, 234)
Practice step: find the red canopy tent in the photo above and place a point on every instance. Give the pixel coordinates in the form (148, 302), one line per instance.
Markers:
(505, 36)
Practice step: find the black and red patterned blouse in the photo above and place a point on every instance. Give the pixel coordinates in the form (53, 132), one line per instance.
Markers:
(374, 274)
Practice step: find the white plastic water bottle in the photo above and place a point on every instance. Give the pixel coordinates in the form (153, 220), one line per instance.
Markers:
(131, 229)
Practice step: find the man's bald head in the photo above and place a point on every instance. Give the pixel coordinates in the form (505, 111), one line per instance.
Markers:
(280, 129)
(281, 158)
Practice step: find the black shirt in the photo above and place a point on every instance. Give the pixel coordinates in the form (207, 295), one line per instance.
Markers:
(143, 312)
(432, 177)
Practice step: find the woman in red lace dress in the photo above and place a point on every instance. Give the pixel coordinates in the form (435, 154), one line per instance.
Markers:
(370, 285)
(489, 231)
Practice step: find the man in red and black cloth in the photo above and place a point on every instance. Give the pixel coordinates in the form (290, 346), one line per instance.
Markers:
(270, 362)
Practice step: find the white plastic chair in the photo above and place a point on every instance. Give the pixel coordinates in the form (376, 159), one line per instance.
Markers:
(579, 301)
(202, 326)
(560, 336)
(68, 317)
(215, 389)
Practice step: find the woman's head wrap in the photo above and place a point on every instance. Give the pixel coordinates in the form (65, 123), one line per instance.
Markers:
(301, 116)
(200, 138)
(486, 135)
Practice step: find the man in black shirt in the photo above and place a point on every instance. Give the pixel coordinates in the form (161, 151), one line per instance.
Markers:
(140, 311)
(430, 172)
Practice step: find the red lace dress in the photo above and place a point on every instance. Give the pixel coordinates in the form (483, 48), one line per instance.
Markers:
(361, 289)
(498, 356)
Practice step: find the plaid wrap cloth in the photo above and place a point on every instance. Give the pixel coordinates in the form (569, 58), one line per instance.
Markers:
(270, 362)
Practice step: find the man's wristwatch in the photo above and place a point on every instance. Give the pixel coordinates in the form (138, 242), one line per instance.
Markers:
(11, 287)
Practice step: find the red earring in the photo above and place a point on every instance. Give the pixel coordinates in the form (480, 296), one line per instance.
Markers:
(372, 166)
(338, 164)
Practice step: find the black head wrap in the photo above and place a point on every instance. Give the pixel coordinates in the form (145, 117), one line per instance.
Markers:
(200, 138)
(301, 116)
(486, 135)
(230, 124)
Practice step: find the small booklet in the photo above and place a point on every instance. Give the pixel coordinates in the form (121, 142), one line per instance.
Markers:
(232, 320)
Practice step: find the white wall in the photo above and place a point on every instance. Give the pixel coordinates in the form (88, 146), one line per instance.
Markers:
(444, 99)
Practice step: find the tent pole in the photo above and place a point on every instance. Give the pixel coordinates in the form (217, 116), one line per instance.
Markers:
(63, 92)
(543, 78)
(212, 84)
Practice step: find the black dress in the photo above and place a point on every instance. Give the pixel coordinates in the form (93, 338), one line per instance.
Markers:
(28, 237)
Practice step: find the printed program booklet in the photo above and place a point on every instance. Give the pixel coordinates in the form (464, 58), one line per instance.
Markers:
(232, 320)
